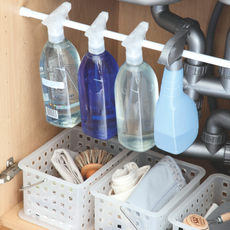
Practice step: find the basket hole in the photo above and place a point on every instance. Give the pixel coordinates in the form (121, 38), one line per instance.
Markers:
(100, 210)
(57, 145)
(39, 158)
(89, 201)
(28, 192)
(82, 225)
(70, 189)
(53, 182)
(62, 141)
(70, 208)
(54, 202)
(37, 177)
(39, 167)
(96, 141)
(120, 149)
(68, 137)
(54, 210)
(119, 226)
(137, 213)
(112, 146)
(87, 147)
(51, 150)
(80, 135)
(70, 198)
(110, 223)
(62, 205)
(183, 171)
(62, 213)
(52, 167)
(89, 220)
(149, 159)
(45, 207)
(83, 206)
(33, 162)
(45, 154)
(46, 162)
(28, 183)
(104, 143)
(88, 138)
(118, 216)
(45, 189)
(225, 184)
(80, 144)
(37, 204)
(37, 214)
(28, 174)
(46, 171)
(193, 174)
(224, 194)
(62, 195)
(70, 217)
(68, 146)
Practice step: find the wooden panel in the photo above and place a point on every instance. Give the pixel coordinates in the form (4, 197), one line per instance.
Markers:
(23, 124)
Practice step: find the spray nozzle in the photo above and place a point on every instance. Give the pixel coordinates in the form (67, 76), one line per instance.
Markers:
(173, 49)
(54, 22)
(133, 44)
(95, 34)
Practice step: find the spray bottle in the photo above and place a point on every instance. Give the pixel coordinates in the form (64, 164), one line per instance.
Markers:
(96, 79)
(176, 121)
(136, 94)
(59, 64)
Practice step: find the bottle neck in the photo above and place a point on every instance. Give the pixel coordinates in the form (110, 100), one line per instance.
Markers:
(172, 83)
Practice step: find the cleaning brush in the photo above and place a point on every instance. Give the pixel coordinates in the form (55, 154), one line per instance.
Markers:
(91, 160)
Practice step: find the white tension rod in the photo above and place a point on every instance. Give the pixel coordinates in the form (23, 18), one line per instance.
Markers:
(121, 37)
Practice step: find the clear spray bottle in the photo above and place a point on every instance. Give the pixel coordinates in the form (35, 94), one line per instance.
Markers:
(136, 94)
(96, 81)
(59, 64)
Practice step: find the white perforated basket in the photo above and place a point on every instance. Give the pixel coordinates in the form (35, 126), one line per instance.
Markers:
(215, 189)
(56, 202)
(108, 215)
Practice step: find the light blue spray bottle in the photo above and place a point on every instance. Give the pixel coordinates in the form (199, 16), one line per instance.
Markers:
(59, 65)
(136, 94)
(176, 119)
(96, 79)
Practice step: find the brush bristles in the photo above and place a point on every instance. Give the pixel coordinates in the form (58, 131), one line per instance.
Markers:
(92, 156)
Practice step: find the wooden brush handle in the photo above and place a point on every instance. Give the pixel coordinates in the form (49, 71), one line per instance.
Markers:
(225, 217)
(89, 170)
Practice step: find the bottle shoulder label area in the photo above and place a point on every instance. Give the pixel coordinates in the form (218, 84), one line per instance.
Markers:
(53, 84)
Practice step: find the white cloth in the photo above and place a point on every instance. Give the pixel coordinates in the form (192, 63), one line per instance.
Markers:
(125, 180)
(64, 164)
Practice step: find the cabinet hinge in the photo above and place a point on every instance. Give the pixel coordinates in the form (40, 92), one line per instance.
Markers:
(11, 170)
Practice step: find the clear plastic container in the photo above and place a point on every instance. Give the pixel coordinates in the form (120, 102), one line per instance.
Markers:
(215, 189)
(59, 65)
(136, 94)
(108, 214)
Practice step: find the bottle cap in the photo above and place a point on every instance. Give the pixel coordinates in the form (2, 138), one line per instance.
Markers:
(95, 34)
(133, 44)
(54, 22)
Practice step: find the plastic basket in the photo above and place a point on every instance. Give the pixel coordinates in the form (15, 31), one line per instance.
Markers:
(215, 189)
(56, 202)
(108, 215)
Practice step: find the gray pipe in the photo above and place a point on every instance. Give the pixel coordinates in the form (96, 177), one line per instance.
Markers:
(172, 22)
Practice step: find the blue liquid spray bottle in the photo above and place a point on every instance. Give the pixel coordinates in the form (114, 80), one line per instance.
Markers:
(96, 81)
(136, 95)
(59, 65)
(176, 119)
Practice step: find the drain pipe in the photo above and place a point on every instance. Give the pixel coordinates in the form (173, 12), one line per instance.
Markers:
(213, 145)
(193, 70)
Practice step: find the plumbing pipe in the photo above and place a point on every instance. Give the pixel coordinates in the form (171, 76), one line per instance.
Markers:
(172, 23)
(121, 37)
(209, 46)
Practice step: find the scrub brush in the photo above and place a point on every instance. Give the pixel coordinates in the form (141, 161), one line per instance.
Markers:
(91, 160)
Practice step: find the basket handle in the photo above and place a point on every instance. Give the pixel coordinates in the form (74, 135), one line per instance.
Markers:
(130, 220)
(32, 185)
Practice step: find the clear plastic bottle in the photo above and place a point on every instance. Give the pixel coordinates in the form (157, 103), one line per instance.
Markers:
(59, 64)
(96, 81)
(136, 94)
